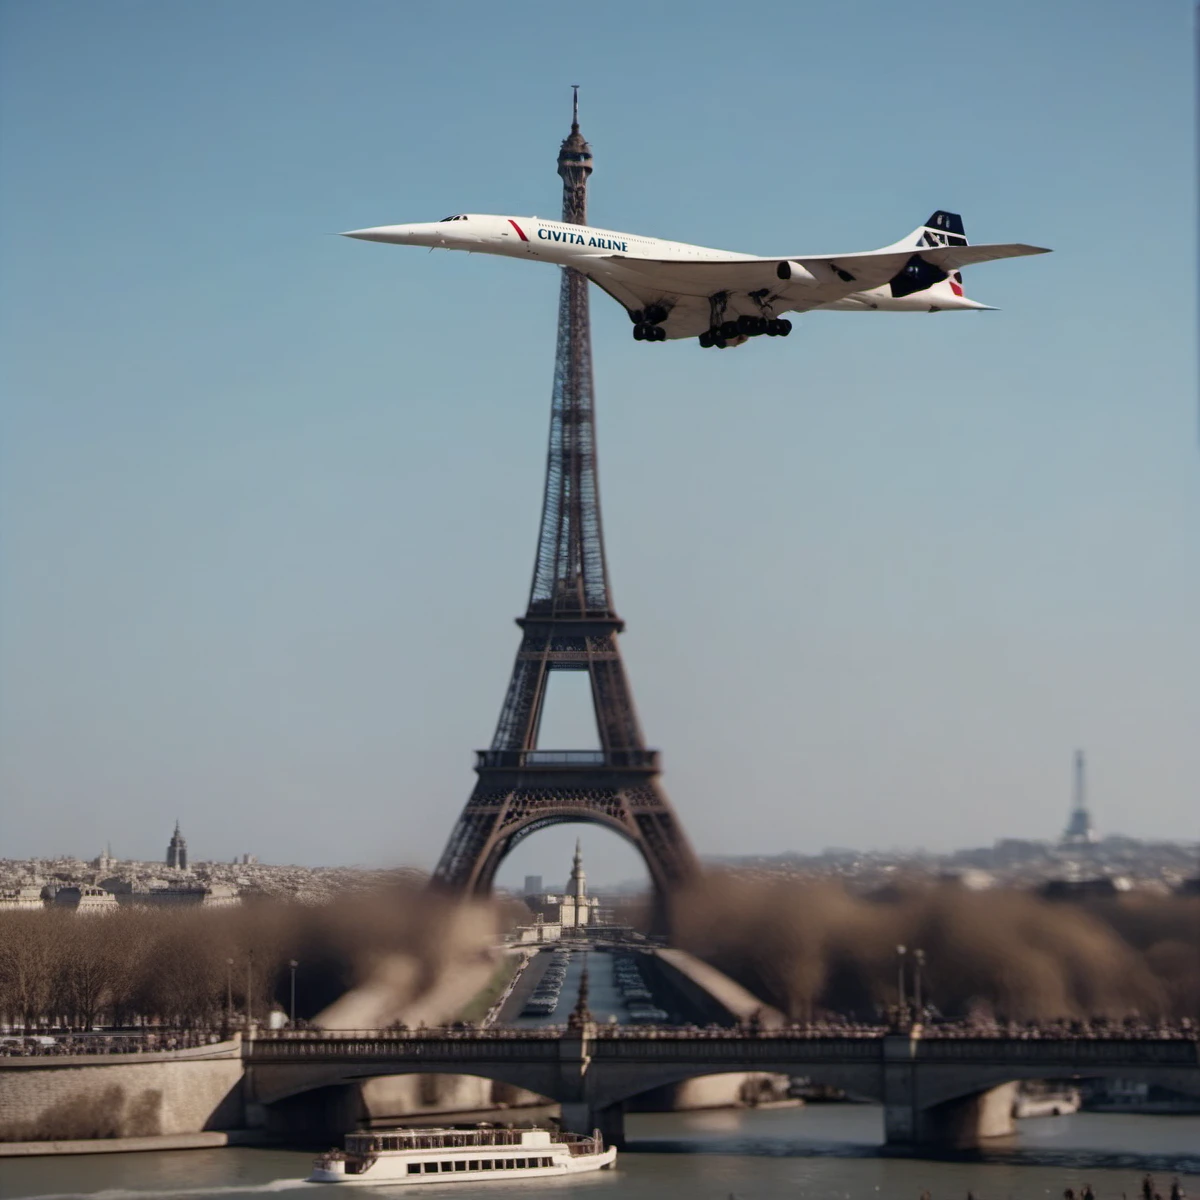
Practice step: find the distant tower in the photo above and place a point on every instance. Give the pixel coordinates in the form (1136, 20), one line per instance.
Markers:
(577, 886)
(177, 851)
(1079, 830)
(577, 907)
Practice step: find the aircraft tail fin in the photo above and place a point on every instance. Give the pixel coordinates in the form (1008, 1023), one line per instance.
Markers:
(942, 229)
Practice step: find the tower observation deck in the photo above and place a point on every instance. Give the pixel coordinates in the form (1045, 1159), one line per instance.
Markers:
(570, 624)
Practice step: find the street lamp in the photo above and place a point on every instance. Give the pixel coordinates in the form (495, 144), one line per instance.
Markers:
(292, 1014)
(918, 965)
(249, 988)
(901, 951)
(228, 995)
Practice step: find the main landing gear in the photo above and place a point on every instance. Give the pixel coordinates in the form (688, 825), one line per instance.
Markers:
(744, 327)
(647, 323)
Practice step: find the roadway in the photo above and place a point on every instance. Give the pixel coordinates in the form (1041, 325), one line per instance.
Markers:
(604, 997)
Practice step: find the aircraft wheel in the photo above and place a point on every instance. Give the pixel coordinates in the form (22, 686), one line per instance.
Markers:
(637, 316)
(760, 325)
(729, 329)
(719, 343)
(655, 314)
(660, 334)
(639, 331)
(706, 339)
(772, 328)
(785, 327)
(745, 325)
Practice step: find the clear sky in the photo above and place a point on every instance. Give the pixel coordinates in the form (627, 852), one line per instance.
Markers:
(270, 497)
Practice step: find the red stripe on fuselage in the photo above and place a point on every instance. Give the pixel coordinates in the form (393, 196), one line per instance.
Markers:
(520, 231)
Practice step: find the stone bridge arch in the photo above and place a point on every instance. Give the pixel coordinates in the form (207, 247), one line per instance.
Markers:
(270, 1084)
(938, 1086)
(615, 1087)
(958, 1104)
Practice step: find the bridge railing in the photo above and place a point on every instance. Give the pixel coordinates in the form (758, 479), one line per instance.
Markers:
(1080, 1051)
(739, 1049)
(399, 1046)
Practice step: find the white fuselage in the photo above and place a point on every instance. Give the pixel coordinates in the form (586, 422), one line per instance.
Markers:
(574, 245)
(538, 238)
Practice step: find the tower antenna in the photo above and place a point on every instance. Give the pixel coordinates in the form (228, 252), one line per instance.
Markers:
(575, 107)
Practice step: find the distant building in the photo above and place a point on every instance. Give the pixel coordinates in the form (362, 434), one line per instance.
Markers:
(85, 899)
(557, 914)
(1083, 889)
(104, 861)
(1079, 831)
(177, 856)
(971, 878)
(21, 899)
(158, 894)
(533, 885)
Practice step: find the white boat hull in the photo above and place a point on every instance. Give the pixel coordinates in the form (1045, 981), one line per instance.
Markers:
(395, 1170)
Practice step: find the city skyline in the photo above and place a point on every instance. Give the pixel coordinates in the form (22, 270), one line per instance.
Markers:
(268, 502)
(535, 859)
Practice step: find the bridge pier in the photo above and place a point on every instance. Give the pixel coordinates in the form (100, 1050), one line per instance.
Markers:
(955, 1125)
(585, 1117)
(910, 1121)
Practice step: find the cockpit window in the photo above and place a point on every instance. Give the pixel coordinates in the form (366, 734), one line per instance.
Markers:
(460, 217)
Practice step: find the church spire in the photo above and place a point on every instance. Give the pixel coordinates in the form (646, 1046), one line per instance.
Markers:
(177, 855)
(578, 885)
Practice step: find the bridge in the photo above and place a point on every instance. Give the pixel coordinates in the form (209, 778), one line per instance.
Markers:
(935, 1090)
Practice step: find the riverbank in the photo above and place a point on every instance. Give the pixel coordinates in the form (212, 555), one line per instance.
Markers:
(127, 1145)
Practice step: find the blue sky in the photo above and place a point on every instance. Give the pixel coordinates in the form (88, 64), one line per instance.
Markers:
(269, 497)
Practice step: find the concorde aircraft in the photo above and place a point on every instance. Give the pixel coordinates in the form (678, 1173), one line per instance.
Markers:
(675, 290)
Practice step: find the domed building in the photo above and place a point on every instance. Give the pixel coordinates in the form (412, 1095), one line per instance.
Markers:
(559, 914)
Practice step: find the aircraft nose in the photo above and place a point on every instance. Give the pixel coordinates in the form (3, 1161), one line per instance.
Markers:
(381, 233)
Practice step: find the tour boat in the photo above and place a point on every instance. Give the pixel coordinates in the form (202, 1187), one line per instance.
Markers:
(460, 1155)
(1046, 1100)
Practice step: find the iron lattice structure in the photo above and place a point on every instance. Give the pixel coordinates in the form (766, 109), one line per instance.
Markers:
(569, 625)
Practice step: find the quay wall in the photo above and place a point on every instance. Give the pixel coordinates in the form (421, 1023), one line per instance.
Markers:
(46, 1099)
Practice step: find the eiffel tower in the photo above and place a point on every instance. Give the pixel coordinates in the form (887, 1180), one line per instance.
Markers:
(569, 625)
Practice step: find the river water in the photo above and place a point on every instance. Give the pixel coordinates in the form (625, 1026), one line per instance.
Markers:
(821, 1152)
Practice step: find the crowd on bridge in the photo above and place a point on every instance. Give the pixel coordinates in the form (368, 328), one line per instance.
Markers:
(1095, 1029)
(140, 1041)
(74, 1042)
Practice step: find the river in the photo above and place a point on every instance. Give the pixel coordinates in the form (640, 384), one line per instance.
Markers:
(821, 1152)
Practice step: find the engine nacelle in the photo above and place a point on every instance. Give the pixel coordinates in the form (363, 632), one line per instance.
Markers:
(796, 271)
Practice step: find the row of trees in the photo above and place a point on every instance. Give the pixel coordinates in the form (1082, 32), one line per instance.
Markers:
(188, 968)
(809, 947)
(805, 947)
(130, 966)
